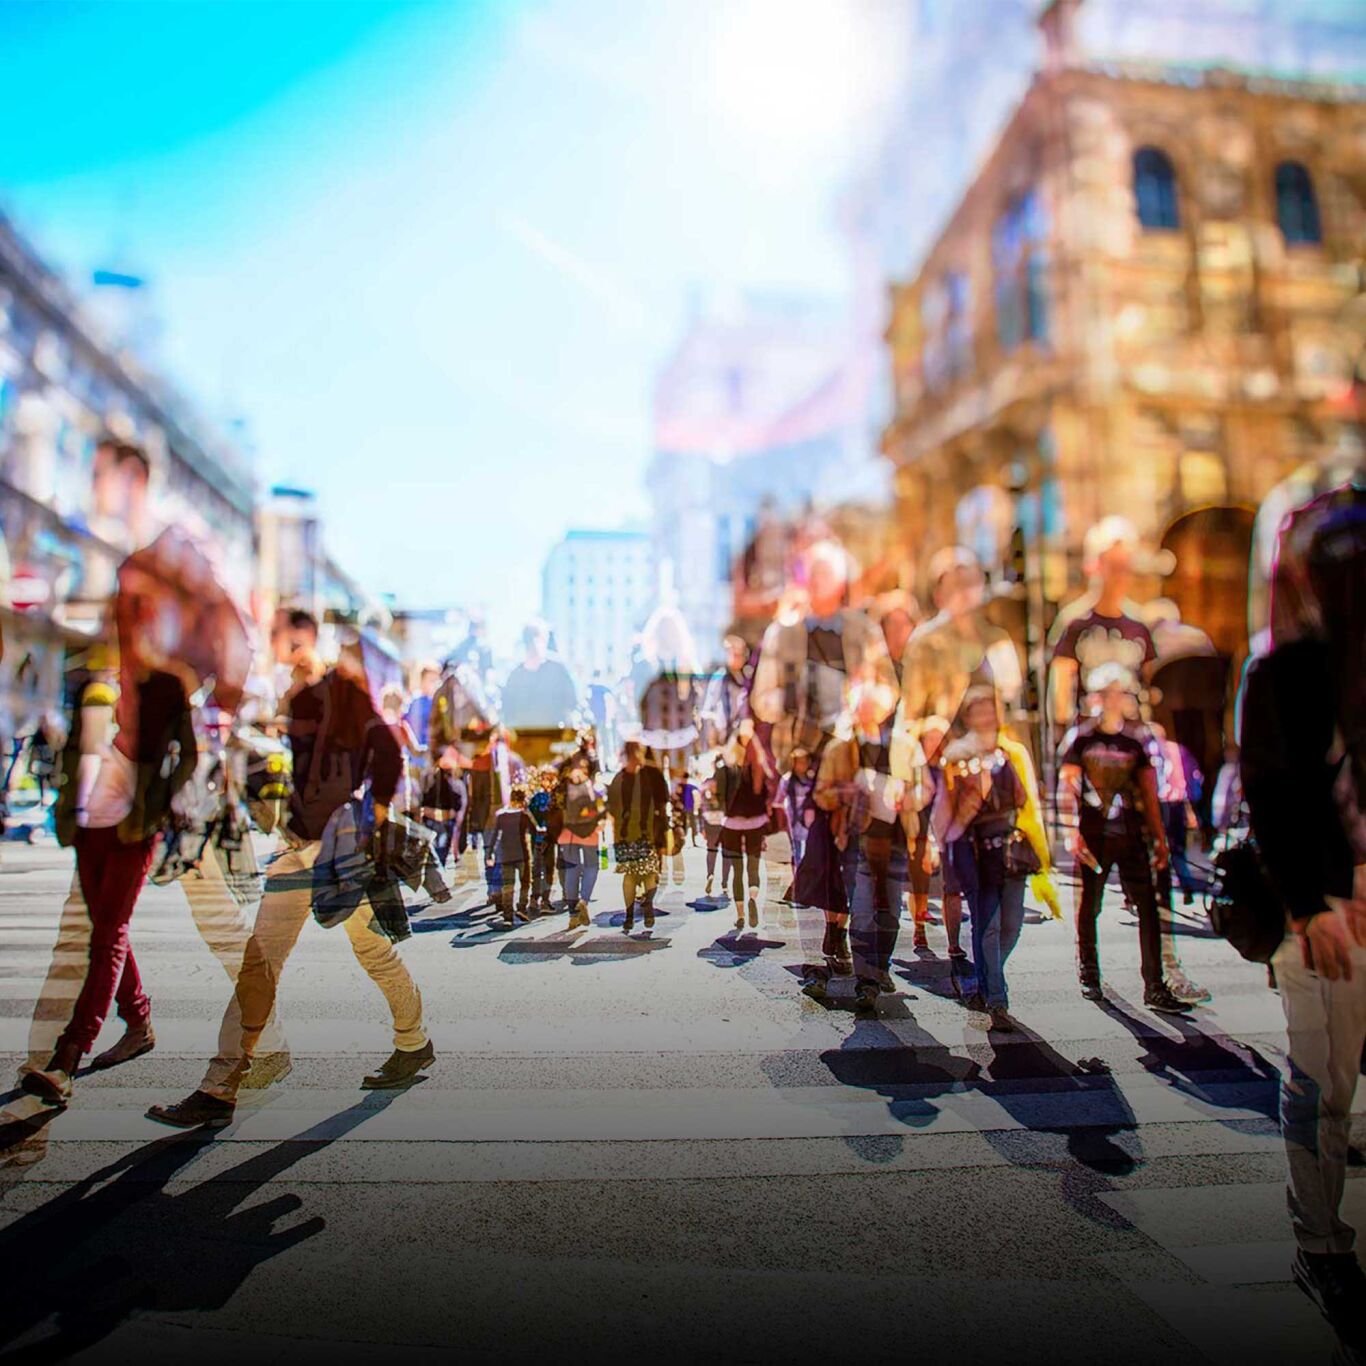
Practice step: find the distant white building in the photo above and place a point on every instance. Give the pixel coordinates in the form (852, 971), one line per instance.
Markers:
(597, 587)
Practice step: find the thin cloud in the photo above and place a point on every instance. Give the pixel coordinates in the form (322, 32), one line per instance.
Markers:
(625, 308)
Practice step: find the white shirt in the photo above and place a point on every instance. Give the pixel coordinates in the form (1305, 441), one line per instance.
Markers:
(109, 797)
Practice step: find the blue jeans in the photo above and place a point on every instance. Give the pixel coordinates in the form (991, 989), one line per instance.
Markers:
(444, 830)
(881, 876)
(578, 871)
(997, 915)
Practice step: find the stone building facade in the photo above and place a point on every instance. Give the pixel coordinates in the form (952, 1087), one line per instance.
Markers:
(1141, 304)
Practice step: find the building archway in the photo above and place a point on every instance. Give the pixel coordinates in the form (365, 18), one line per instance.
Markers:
(1212, 548)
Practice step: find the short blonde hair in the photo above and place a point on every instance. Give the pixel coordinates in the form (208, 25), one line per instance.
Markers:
(1105, 535)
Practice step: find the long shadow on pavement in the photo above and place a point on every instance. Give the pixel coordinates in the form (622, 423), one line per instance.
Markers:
(118, 1243)
(736, 949)
(1205, 1067)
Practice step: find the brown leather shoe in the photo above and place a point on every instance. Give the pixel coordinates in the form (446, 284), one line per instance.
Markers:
(53, 1085)
(137, 1040)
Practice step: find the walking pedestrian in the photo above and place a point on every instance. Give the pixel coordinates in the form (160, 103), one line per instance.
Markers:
(745, 789)
(1304, 781)
(585, 809)
(638, 804)
(1108, 787)
(340, 744)
(977, 818)
(510, 853)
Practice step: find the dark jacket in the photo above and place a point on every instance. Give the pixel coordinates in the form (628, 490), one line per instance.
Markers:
(337, 739)
(639, 806)
(738, 794)
(1289, 723)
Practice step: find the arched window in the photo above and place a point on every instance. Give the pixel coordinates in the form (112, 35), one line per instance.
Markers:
(1297, 211)
(1155, 189)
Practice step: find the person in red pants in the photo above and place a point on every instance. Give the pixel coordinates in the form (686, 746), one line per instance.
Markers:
(128, 753)
(120, 800)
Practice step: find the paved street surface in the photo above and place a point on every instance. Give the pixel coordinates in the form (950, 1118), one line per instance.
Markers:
(654, 1148)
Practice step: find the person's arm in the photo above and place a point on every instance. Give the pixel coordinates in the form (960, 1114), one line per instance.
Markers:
(95, 721)
(1287, 782)
(1062, 687)
(831, 777)
(614, 802)
(766, 692)
(913, 707)
(187, 747)
(661, 809)
(1152, 814)
(1288, 787)
(1069, 803)
(386, 765)
(879, 671)
(941, 811)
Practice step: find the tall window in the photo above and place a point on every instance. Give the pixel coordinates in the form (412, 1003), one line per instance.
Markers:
(1297, 211)
(1155, 189)
(946, 323)
(1019, 257)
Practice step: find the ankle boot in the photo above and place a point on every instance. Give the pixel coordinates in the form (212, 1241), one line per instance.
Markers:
(53, 1083)
(137, 1040)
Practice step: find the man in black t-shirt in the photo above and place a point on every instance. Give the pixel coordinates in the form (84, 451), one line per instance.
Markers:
(1100, 629)
(1108, 783)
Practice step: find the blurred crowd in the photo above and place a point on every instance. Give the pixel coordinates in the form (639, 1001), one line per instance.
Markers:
(858, 766)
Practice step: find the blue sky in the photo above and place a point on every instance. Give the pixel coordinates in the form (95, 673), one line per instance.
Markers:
(435, 252)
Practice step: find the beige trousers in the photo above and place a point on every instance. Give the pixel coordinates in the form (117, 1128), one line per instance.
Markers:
(285, 908)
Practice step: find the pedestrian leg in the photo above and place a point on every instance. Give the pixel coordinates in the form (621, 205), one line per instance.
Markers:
(111, 874)
(284, 909)
(733, 872)
(712, 831)
(1326, 1027)
(1088, 910)
(1137, 880)
(986, 942)
(380, 958)
(588, 872)
(224, 926)
(1011, 919)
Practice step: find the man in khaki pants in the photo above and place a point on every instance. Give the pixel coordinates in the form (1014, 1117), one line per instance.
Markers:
(338, 741)
(1304, 776)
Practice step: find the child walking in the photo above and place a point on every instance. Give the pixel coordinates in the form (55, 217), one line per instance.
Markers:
(510, 854)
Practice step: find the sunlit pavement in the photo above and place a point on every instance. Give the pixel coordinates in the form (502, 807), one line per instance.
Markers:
(654, 1147)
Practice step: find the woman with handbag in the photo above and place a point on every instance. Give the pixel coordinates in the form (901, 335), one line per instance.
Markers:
(978, 822)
